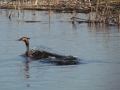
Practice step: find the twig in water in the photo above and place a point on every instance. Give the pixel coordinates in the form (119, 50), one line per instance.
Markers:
(10, 15)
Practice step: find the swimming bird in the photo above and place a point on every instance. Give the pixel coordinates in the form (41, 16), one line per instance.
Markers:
(37, 54)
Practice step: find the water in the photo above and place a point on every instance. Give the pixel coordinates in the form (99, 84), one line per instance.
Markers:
(98, 47)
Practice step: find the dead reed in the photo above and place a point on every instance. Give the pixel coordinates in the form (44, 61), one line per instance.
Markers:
(105, 11)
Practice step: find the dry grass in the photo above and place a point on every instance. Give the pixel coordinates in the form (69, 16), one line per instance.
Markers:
(106, 11)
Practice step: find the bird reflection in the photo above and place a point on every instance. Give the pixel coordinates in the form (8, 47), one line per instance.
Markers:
(26, 70)
(26, 67)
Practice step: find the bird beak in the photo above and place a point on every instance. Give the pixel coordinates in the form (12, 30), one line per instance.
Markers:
(18, 39)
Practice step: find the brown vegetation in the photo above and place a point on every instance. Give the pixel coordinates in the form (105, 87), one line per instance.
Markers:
(107, 11)
(57, 5)
(103, 11)
(100, 11)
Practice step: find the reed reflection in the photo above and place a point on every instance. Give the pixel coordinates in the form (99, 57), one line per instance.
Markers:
(74, 26)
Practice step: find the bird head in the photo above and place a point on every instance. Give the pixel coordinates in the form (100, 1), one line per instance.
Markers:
(23, 39)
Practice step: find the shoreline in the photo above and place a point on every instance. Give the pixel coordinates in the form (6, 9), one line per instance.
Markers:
(47, 8)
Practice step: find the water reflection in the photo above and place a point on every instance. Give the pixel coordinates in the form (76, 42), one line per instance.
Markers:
(26, 67)
(27, 85)
(33, 15)
(74, 26)
(100, 28)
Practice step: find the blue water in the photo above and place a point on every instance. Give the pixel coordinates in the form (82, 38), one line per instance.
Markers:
(98, 48)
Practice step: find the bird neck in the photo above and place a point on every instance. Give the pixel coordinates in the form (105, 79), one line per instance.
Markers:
(27, 48)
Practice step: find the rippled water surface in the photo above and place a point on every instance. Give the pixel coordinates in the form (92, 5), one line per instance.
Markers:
(98, 48)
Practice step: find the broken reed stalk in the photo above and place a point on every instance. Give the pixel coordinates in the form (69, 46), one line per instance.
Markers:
(90, 16)
(10, 15)
(18, 8)
(107, 15)
(119, 19)
(14, 9)
(119, 23)
(49, 12)
(102, 17)
(96, 9)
